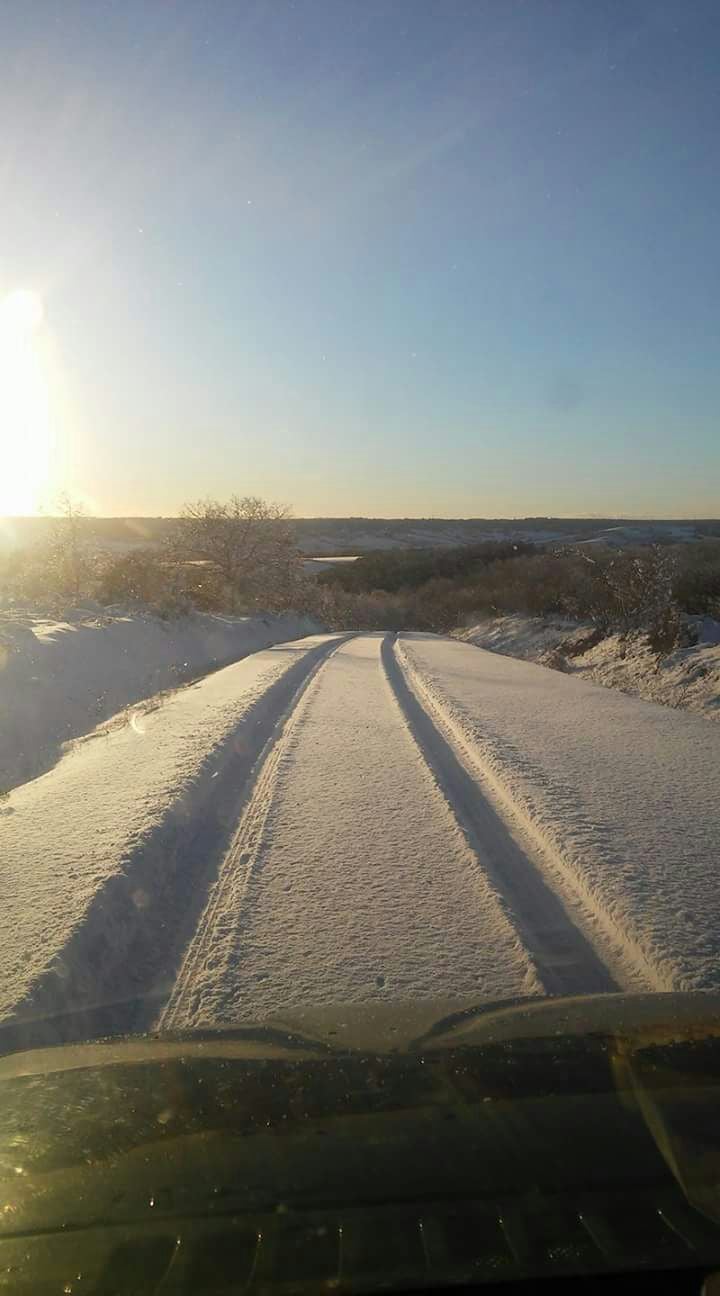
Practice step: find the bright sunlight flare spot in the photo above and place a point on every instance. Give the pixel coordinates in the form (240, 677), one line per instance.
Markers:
(24, 409)
(21, 312)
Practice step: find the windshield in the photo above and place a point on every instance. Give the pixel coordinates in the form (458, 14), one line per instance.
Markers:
(359, 548)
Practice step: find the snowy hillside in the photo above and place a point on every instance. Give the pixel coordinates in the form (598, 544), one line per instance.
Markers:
(319, 536)
(688, 677)
(59, 679)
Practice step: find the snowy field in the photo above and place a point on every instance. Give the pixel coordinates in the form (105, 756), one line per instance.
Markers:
(349, 818)
(59, 679)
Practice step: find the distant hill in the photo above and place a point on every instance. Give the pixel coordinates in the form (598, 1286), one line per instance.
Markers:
(357, 535)
(350, 536)
(113, 534)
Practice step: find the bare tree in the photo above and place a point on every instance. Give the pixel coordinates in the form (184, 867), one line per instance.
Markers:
(248, 541)
(68, 554)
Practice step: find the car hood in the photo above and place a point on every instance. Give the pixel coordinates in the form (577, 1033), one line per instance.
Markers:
(391, 1027)
(479, 1134)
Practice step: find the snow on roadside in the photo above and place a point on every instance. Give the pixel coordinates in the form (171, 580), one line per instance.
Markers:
(105, 855)
(60, 679)
(518, 635)
(688, 678)
(620, 794)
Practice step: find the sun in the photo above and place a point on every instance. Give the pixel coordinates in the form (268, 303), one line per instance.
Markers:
(21, 312)
(25, 439)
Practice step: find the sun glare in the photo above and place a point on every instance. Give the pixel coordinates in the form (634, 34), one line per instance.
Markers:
(21, 312)
(25, 439)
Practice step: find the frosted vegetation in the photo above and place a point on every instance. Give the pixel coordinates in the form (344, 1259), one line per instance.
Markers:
(632, 606)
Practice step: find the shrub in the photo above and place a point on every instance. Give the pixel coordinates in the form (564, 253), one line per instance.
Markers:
(138, 577)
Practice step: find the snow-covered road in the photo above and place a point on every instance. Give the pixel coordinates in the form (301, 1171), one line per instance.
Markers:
(349, 878)
(360, 817)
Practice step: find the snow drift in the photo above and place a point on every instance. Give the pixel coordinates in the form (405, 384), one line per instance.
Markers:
(60, 679)
(688, 678)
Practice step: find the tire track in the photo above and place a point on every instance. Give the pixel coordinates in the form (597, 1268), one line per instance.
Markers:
(622, 953)
(205, 951)
(348, 879)
(119, 965)
(566, 961)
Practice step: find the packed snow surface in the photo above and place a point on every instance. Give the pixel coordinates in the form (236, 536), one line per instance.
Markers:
(621, 795)
(347, 818)
(357, 882)
(108, 847)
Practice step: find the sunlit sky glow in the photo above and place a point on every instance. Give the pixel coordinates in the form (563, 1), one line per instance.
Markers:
(24, 404)
(452, 257)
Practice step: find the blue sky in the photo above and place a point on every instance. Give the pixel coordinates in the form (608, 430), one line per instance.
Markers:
(452, 257)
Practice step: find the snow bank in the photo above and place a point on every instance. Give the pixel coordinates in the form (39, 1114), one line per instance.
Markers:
(517, 635)
(688, 677)
(619, 795)
(108, 855)
(60, 679)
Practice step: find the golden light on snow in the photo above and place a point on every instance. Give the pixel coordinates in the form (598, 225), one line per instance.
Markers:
(25, 435)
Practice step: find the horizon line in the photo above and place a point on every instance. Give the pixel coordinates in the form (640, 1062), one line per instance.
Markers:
(395, 517)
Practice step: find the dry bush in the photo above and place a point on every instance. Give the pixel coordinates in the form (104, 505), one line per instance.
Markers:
(136, 577)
